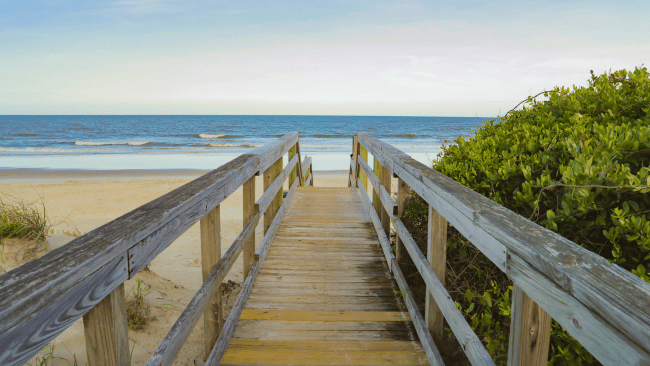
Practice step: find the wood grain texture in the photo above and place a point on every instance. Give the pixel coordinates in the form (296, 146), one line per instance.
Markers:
(248, 211)
(30, 289)
(306, 169)
(363, 154)
(106, 331)
(18, 345)
(617, 301)
(300, 173)
(210, 255)
(530, 331)
(271, 192)
(403, 199)
(433, 355)
(381, 234)
(326, 316)
(380, 189)
(329, 283)
(292, 154)
(474, 349)
(177, 335)
(354, 169)
(437, 257)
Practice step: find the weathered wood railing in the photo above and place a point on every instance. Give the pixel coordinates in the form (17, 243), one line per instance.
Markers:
(42, 298)
(604, 307)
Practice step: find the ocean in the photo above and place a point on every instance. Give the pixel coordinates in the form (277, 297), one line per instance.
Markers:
(206, 142)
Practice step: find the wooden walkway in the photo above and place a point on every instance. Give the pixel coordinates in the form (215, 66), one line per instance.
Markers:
(324, 294)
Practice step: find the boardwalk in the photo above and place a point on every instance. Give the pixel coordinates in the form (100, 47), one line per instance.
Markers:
(324, 295)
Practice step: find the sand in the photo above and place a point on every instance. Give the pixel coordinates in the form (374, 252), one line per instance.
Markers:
(80, 201)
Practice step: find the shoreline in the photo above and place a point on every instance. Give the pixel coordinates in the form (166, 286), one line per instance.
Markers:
(57, 176)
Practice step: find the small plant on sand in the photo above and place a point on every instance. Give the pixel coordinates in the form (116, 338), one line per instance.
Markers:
(137, 308)
(23, 220)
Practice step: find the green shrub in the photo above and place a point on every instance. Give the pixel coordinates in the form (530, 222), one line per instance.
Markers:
(576, 163)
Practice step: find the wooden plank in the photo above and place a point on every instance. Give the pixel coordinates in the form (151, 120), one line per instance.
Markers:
(530, 331)
(294, 357)
(18, 345)
(353, 172)
(389, 209)
(381, 234)
(476, 353)
(42, 282)
(301, 174)
(233, 317)
(248, 210)
(285, 278)
(292, 154)
(329, 306)
(433, 355)
(326, 316)
(306, 165)
(403, 199)
(437, 257)
(268, 239)
(272, 190)
(210, 255)
(177, 335)
(355, 156)
(363, 154)
(323, 346)
(296, 291)
(616, 296)
(291, 300)
(382, 193)
(270, 176)
(106, 332)
(309, 179)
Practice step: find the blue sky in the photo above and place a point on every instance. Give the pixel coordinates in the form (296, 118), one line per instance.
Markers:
(431, 58)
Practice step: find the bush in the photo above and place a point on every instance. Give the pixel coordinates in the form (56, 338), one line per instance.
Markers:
(576, 163)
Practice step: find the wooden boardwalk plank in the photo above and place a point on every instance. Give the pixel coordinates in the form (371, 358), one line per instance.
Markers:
(324, 294)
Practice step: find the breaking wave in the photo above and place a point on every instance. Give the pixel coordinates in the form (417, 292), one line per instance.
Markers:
(99, 143)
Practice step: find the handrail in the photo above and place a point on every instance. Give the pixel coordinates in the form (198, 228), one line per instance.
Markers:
(606, 308)
(43, 297)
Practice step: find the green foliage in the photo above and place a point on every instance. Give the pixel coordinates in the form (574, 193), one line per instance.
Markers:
(576, 163)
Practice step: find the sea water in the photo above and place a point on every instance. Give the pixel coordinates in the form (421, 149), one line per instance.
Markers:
(206, 142)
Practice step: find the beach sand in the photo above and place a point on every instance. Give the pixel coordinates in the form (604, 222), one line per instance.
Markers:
(80, 201)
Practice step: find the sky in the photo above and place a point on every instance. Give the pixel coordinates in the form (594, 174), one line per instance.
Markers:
(316, 57)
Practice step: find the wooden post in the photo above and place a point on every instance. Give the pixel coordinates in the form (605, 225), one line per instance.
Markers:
(355, 154)
(269, 176)
(437, 257)
(248, 211)
(386, 181)
(292, 175)
(106, 331)
(210, 255)
(530, 331)
(403, 198)
(362, 175)
(311, 171)
(376, 202)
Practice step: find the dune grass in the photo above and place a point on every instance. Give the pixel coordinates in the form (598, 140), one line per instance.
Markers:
(19, 219)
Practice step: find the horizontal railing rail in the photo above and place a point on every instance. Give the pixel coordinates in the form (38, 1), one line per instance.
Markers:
(606, 308)
(42, 298)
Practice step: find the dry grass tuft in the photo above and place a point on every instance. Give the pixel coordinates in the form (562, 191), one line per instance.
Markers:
(22, 220)
(137, 307)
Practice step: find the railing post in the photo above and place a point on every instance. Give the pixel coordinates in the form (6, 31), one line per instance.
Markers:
(530, 331)
(437, 257)
(248, 211)
(352, 179)
(269, 176)
(403, 198)
(383, 176)
(210, 255)
(293, 174)
(362, 175)
(106, 331)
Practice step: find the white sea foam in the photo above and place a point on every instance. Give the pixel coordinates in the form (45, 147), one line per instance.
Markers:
(42, 150)
(234, 145)
(100, 143)
(208, 136)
